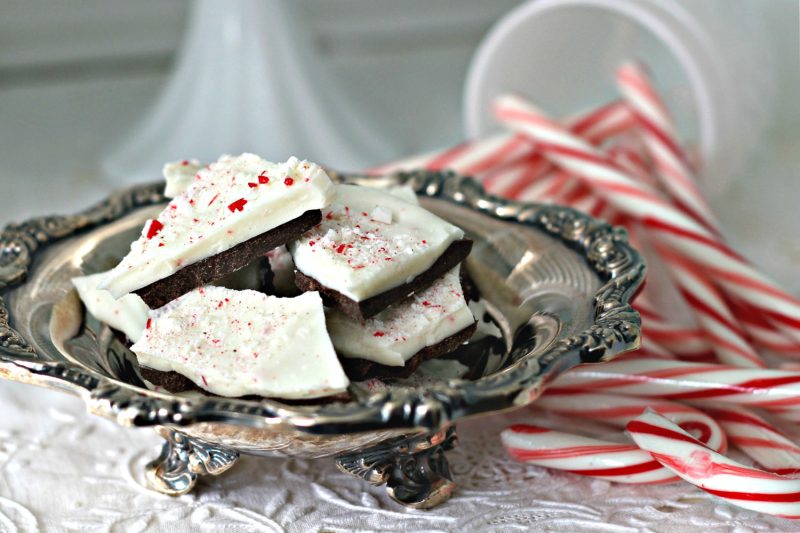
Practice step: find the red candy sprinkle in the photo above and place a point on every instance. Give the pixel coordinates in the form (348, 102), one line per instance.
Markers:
(329, 216)
(204, 380)
(149, 323)
(213, 199)
(252, 185)
(378, 334)
(155, 227)
(424, 241)
(238, 205)
(288, 182)
(312, 243)
(364, 213)
(426, 303)
(185, 162)
(263, 179)
(340, 249)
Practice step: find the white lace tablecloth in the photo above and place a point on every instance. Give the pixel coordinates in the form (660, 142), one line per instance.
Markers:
(63, 470)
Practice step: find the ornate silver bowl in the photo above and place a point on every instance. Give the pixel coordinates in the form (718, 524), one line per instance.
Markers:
(556, 283)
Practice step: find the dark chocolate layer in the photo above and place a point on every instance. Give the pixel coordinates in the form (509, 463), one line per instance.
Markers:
(212, 268)
(361, 369)
(453, 255)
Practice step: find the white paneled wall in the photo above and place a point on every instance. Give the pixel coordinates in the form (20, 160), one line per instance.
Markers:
(403, 62)
(45, 33)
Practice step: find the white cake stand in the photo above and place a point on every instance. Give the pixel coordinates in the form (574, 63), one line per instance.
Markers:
(246, 79)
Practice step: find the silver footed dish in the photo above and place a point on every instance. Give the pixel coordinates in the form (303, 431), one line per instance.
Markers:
(555, 282)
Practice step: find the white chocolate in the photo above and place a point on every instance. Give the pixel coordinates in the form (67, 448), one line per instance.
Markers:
(359, 255)
(226, 205)
(395, 334)
(179, 175)
(404, 192)
(127, 314)
(237, 343)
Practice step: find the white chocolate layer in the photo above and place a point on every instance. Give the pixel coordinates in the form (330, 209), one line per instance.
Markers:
(237, 343)
(359, 256)
(230, 201)
(127, 314)
(179, 175)
(395, 334)
(404, 192)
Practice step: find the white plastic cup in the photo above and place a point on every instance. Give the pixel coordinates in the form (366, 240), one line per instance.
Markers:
(708, 57)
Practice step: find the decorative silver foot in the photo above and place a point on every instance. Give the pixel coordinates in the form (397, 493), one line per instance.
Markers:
(414, 468)
(182, 459)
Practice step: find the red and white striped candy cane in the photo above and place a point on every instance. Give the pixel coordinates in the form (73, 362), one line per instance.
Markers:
(759, 439)
(685, 342)
(659, 137)
(672, 226)
(594, 457)
(626, 153)
(721, 327)
(478, 156)
(673, 168)
(524, 177)
(618, 410)
(686, 339)
(762, 332)
(586, 456)
(712, 472)
(512, 180)
(683, 381)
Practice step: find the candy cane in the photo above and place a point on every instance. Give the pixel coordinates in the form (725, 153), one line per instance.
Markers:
(618, 410)
(513, 179)
(644, 203)
(627, 154)
(688, 341)
(599, 458)
(487, 154)
(759, 439)
(622, 463)
(659, 137)
(722, 328)
(682, 381)
(712, 472)
(678, 179)
(762, 332)
(683, 341)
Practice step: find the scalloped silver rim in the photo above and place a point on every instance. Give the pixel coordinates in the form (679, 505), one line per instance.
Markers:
(616, 328)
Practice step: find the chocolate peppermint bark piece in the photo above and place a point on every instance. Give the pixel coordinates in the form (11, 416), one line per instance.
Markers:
(128, 314)
(373, 249)
(179, 175)
(361, 369)
(241, 343)
(432, 322)
(235, 210)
